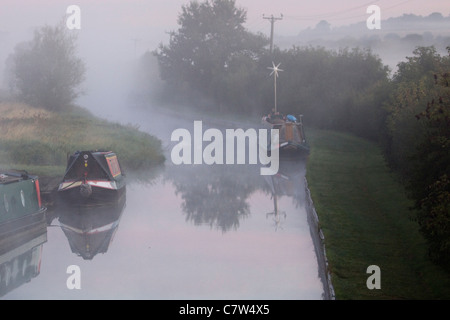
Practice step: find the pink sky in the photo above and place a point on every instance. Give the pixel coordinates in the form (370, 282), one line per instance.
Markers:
(114, 24)
(162, 14)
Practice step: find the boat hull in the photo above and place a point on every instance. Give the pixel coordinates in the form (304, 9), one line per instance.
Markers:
(98, 196)
(292, 141)
(92, 178)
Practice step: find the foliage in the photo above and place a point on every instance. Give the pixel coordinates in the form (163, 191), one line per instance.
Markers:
(434, 220)
(45, 72)
(429, 183)
(334, 90)
(420, 141)
(413, 86)
(209, 51)
(212, 56)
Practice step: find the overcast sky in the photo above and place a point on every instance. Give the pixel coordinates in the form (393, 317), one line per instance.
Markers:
(149, 20)
(114, 32)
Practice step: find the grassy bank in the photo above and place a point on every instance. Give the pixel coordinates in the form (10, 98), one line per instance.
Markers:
(38, 141)
(365, 217)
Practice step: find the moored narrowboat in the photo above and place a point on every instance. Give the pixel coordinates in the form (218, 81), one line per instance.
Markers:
(21, 254)
(292, 139)
(20, 201)
(23, 229)
(92, 178)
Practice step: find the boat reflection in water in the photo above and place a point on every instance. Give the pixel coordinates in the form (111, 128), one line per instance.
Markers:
(91, 229)
(21, 252)
(289, 181)
(92, 197)
(23, 229)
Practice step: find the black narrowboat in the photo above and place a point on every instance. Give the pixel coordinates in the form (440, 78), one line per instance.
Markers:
(92, 178)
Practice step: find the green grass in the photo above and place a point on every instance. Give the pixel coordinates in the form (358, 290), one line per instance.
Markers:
(365, 217)
(39, 141)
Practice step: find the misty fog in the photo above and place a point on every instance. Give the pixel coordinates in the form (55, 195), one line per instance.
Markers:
(117, 42)
(114, 37)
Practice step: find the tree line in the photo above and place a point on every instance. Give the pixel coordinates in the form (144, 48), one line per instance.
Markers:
(417, 142)
(215, 64)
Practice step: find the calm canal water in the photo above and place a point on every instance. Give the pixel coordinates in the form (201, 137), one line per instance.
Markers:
(185, 232)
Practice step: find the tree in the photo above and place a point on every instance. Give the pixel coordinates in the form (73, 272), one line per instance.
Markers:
(413, 86)
(430, 177)
(210, 39)
(45, 72)
(334, 90)
(419, 145)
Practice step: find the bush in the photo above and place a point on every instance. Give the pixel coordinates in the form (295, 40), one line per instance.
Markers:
(45, 71)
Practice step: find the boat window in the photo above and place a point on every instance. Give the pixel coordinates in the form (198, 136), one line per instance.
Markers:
(22, 198)
(113, 165)
(6, 203)
(88, 168)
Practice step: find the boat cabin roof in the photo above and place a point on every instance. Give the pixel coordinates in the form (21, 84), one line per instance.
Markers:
(100, 168)
(13, 176)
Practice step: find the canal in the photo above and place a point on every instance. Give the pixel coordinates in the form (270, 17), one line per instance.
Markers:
(184, 232)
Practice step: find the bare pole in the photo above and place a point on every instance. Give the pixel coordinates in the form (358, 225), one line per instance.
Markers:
(272, 20)
(135, 40)
(275, 75)
(275, 69)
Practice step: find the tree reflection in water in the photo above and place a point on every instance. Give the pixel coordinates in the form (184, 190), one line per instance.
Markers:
(276, 213)
(215, 195)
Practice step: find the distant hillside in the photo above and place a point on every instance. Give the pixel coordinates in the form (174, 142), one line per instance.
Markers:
(396, 39)
(435, 23)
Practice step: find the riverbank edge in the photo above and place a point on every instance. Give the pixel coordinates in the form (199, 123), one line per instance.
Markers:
(319, 245)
